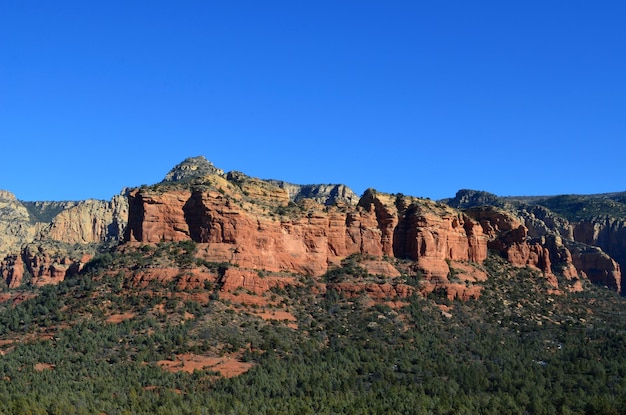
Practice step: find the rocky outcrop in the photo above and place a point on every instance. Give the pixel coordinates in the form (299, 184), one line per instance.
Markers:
(90, 221)
(526, 233)
(596, 265)
(44, 263)
(37, 238)
(156, 217)
(509, 237)
(541, 222)
(466, 198)
(51, 263)
(325, 194)
(379, 292)
(427, 232)
(192, 168)
(561, 257)
(15, 224)
(609, 234)
(308, 239)
(12, 270)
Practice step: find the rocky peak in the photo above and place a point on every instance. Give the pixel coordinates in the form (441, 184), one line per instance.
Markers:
(192, 168)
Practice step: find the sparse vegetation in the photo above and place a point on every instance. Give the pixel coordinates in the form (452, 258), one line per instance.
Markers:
(579, 207)
(349, 268)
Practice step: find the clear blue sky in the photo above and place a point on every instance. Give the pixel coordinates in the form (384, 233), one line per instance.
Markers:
(418, 97)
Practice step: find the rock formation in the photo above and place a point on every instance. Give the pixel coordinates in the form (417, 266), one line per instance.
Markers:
(325, 194)
(192, 168)
(15, 224)
(279, 227)
(525, 231)
(264, 234)
(509, 237)
(37, 238)
(90, 221)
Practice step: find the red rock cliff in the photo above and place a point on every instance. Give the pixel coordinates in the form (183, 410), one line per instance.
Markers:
(252, 223)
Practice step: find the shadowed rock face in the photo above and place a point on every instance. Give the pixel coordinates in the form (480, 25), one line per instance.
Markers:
(508, 236)
(609, 234)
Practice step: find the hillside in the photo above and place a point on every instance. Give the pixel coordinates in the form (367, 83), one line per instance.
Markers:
(101, 343)
(214, 292)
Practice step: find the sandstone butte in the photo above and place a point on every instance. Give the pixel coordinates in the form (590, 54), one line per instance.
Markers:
(255, 225)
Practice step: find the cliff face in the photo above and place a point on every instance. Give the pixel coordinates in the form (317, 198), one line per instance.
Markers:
(425, 231)
(274, 226)
(325, 194)
(508, 236)
(256, 225)
(15, 225)
(593, 248)
(609, 234)
(91, 221)
(37, 238)
(273, 235)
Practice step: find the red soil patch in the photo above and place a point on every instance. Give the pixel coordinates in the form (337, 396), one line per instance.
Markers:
(20, 298)
(16, 297)
(39, 367)
(280, 315)
(252, 303)
(395, 305)
(244, 298)
(159, 308)
(467, 272)
(276, 315)
(46, 337)
(118, 318)
(7, 351)
(228, 366)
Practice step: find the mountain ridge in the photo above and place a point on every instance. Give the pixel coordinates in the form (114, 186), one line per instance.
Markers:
(534, 235)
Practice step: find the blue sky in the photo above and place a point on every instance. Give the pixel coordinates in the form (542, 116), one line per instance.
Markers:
(418, 97)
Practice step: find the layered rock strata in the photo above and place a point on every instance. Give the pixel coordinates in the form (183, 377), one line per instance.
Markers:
(37, 239)
(306, 241)
(594, 248)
